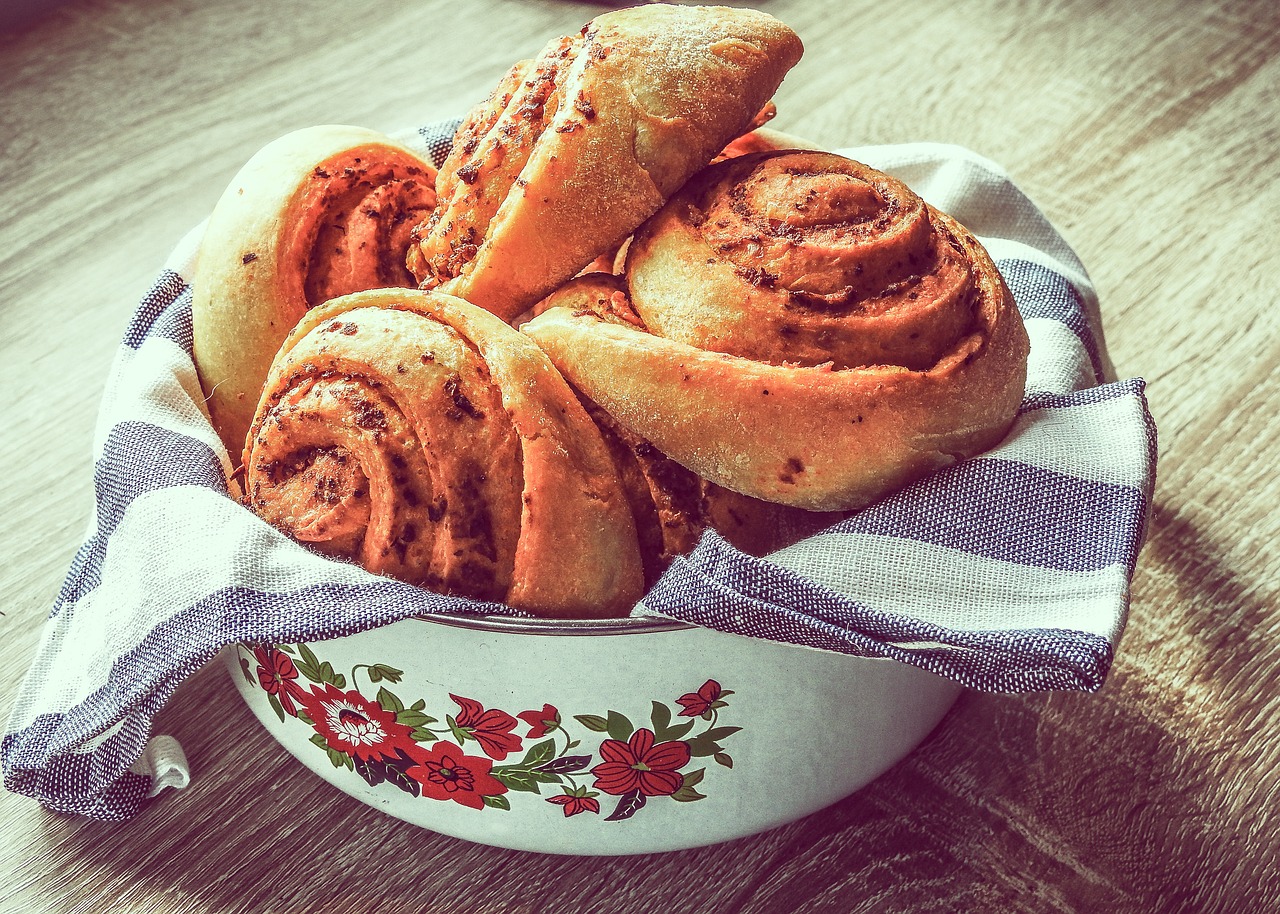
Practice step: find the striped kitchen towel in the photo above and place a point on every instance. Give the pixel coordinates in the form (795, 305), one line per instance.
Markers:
(1008, 572)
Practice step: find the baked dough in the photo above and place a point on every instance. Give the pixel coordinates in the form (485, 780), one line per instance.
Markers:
(576, 148)
(316, 214)
(425, 439)
(800, 328)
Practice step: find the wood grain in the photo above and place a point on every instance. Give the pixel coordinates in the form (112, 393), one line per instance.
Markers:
(1147, 132)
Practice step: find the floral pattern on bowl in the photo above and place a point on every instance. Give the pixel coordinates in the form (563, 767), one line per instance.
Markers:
(384, 740)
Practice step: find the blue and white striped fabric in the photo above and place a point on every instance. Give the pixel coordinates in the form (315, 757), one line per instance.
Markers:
(1009, 572)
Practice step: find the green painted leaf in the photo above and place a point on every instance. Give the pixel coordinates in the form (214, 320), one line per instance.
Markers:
(497, 802)
(389, 673)
(540, 754)
(286, 649)
(306, 718)
(661, 717)
(340, 759)
(319, 741)
(275, 706)
(422, 735)
(413, 718)
(388, 700)
(524, 780)
(244, 668)
(693, 778)
(418, 705)
(593, 722)
(677, 731)
(700, 746)
(328, 674)
(308, 663)
(458, 733)
(618, 726)
(566, 764)
(687, 794)
(719, 733)
(723, 758)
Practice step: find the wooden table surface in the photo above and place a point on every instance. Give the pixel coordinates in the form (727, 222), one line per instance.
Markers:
(1148, 132)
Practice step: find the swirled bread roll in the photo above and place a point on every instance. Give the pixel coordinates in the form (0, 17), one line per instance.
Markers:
(576, 148)
(673, 506)
(427, 440)
(316, 214)
(802, 329)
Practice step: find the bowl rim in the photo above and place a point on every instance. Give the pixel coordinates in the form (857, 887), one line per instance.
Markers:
(530, 625)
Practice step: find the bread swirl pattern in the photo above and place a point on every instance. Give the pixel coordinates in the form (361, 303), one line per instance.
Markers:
(576, 148)
(672, 506)
(427, 440)
(814, 334)
(316, 214)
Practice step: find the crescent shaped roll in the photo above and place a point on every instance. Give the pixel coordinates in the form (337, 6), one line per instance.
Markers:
(576, 148)
(672, 506)
(814, 334)
(313, 215)
(426, 440)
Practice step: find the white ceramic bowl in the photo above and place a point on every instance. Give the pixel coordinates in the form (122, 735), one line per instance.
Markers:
(609, 737)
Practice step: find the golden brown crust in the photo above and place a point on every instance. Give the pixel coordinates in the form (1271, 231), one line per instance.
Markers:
(665, 499)
(427, 440)
(316, 214)
(836, 261)
(672, 506)
(818, 335)
(576, 148)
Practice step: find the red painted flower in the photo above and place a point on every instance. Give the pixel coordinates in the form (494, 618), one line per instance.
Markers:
(540, 722)
(353, 724)
(574, 804)
(491, 729)
(695, 704)
(278, 676)
(638, 764)
(446, 773)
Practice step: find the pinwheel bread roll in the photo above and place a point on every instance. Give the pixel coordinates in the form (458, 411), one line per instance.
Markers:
(810, 333)
(671, 505)
(576, 148)
(425, 439)
(316, 214)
